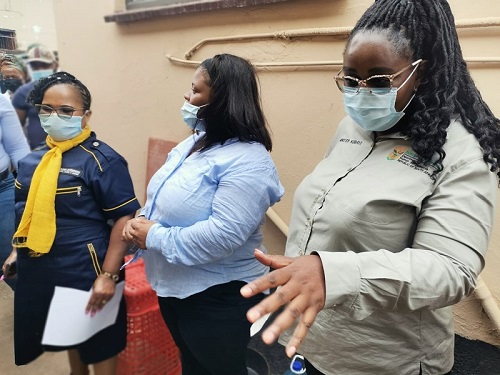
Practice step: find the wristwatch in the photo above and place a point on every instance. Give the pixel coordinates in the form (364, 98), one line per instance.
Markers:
(113, 277)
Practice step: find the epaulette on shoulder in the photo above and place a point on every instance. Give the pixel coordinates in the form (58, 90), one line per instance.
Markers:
(101, 152)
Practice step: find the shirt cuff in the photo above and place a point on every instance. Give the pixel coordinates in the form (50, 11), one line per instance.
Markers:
(342, 277)
(153, 240)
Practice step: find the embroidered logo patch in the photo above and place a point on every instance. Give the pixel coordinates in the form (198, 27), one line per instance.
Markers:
(397, 152)
(71, 172)
(406, 156)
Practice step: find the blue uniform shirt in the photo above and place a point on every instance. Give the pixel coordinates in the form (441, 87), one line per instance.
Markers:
(94, 187)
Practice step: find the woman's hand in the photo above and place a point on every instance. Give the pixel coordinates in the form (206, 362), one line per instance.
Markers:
(102, 291)
(136, 231)
(7, 268)
(301, 285)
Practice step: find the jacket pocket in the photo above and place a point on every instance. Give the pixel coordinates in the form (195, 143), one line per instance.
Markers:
(70, 190)
(94, 258)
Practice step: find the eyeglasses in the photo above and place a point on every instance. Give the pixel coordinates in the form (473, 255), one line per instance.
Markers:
(64, 112)
(379, 84)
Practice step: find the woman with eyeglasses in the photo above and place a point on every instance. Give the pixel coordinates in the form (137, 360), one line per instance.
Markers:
(203, 216)
(392, 227)
(73, 198)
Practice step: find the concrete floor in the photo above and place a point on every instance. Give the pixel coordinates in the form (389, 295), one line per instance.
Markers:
(56, 363)
(471, 357)
(48, 363)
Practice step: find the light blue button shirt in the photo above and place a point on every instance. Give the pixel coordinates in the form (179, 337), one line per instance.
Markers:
(208, 209)
(13, 143)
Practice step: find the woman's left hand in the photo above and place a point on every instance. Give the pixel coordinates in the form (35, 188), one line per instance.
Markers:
(136, 230)
(102, 291)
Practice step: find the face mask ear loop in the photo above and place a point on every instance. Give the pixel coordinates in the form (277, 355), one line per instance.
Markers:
(198, 120)
(407, 104)
(408, 78)
(414, 89)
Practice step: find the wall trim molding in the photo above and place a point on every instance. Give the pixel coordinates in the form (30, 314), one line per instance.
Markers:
(144, 14)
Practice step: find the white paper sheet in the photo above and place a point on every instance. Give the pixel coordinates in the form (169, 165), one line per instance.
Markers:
(259, 323)
(67, 324)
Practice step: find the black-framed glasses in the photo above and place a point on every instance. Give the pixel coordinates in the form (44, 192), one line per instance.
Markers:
(379, 84)
(64, 112)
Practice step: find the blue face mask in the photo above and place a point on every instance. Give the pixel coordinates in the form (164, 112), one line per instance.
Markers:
(373, 112)
(190, 115)
(59, 129)
(39, 74)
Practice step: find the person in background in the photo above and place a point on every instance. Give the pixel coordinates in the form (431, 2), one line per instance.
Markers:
(392, 227)
(203, 216)
(13, 147)
(67, 194)
(13, 73)
(41, 63)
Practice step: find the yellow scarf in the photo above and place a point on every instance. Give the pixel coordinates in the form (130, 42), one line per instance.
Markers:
(37, 228)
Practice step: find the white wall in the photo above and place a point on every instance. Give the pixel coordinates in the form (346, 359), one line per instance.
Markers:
(33, 21)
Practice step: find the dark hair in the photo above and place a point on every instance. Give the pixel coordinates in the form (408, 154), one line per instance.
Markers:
(36, 95)
(427, 27)
(234, 110)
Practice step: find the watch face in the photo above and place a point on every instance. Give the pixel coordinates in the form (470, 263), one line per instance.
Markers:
(115, 278)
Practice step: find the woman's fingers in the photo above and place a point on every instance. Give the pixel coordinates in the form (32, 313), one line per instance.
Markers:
(274, 301)
(96, 305)
(126, 234)
(301, 287)
(301, 330)
(273, 261)
(136, 230)
(103, 291)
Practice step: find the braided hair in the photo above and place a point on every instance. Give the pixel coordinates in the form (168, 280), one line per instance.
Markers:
(36, 95)
(425, 29)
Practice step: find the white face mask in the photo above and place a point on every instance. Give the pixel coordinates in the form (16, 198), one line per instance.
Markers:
(189, 113)
(373, 112)
(375, 109)
(59, 129)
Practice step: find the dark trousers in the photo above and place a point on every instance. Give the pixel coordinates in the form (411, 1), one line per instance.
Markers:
(210, 329)
(311, 370)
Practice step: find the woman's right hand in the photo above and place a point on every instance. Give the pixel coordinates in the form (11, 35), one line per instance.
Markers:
(136, 230)
(301, 285)
(7, 269)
